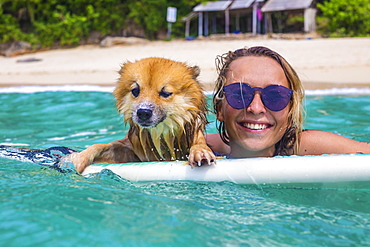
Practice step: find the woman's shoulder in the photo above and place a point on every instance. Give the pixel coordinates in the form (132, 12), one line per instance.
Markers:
(215, 142)
(317, 142)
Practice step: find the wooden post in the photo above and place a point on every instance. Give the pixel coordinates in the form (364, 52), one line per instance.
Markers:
(187, 28)
(200, 24)
(206, 30)
(254, 18)
(227, 22)
(309, 20)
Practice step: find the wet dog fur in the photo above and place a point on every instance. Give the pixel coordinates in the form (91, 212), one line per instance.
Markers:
(165, 107)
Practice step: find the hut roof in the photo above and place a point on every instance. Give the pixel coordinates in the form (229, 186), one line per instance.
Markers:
(281, 5)
(212, 6)
(223, 5)
(243, 4)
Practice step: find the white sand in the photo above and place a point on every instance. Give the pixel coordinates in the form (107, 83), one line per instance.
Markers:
(320, 63)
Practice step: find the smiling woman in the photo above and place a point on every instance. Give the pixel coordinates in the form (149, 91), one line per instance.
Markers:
(258, 103)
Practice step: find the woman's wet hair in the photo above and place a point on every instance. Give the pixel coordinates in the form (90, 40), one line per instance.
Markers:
(289, 142)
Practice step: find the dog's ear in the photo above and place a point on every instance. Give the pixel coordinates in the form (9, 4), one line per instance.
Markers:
(196, 71)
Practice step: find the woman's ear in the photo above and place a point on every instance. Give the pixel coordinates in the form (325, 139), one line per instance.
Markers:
(219, 112)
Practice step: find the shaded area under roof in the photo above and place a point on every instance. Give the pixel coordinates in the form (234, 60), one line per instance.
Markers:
(281, 5)
(250, 8)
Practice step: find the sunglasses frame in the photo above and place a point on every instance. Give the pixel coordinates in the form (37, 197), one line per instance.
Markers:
(251, 90)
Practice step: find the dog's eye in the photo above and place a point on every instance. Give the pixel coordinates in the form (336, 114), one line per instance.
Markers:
(135, 91)
(165, 94)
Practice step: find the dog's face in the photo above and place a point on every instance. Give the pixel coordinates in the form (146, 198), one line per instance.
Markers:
(153, 91)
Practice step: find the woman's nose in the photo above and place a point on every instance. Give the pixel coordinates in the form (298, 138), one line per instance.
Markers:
(256, 106)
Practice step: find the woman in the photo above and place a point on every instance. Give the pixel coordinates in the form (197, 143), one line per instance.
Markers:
(258, 103)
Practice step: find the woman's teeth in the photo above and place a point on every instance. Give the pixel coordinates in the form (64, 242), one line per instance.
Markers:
(255, 126)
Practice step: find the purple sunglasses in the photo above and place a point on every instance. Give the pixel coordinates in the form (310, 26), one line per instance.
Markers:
(275, 97)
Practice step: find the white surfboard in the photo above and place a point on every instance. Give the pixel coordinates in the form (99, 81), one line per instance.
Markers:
(328, 169)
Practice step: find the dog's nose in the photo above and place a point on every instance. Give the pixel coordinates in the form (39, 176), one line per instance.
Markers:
(144, 114)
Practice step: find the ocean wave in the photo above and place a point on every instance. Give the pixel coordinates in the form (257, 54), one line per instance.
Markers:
(94, 88)
(81, 134)
(57, 88)
(339, 91)
(330, 91)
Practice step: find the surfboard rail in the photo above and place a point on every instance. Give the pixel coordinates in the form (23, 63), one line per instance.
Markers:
(275, 170)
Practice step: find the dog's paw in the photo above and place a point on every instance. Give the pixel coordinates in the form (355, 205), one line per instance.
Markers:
(79, 160)
(201, 155)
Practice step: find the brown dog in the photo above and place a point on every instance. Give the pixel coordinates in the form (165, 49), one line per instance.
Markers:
(165, 107)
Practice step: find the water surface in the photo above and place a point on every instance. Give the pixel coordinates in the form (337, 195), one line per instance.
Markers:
(42, 207)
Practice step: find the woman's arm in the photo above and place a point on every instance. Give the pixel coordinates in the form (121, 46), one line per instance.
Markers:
(315, 142)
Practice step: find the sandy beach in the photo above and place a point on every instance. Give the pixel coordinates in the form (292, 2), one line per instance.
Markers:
(320, 63)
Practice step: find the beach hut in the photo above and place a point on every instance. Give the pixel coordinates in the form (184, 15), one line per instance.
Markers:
(307, 7)
(225, 8)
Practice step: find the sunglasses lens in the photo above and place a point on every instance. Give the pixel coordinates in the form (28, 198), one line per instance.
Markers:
(238, 95)
(276, 97)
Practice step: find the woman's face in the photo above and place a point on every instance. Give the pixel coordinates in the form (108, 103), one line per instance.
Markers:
(254, 130)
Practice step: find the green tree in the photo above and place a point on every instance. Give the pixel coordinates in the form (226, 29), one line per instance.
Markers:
(150, 14)
(67, 22)
(345, 17)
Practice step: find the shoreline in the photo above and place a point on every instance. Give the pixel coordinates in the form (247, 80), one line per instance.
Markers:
(206, 86)
(320, 63)
(343, 91)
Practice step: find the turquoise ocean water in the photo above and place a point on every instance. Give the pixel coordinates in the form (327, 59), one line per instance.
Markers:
(42, 207)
